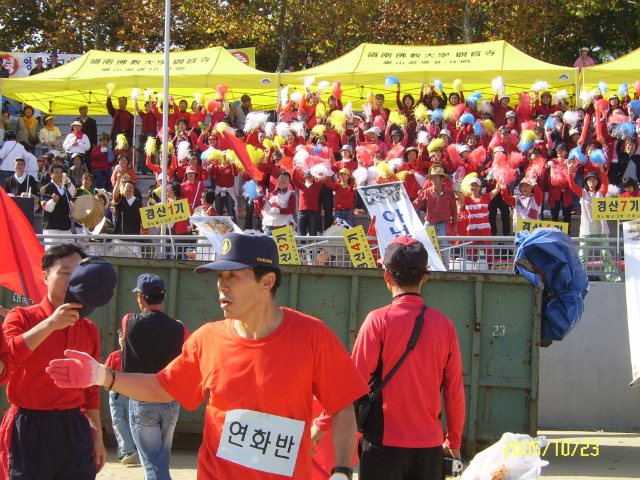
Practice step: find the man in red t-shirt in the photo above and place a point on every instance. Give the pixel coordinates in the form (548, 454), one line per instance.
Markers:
(262, 366)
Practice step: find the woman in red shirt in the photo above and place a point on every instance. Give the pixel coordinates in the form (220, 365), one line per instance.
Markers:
(345, 194)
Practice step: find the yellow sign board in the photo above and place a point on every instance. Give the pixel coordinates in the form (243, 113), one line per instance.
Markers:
(287, 246)
(433, 236)
(163, 213)
(616, 208)
(530, 225)
(359, 248)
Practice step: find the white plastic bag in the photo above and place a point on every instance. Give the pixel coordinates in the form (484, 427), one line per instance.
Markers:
(514, 457)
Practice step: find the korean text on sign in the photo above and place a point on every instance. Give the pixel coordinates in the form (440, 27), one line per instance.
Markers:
(616, 208)
(531, 225)
(287, 246)
(261, 441)
(164, 213)
(359, 248)
(433, 235)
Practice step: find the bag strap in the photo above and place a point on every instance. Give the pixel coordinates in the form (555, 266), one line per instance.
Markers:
(417, 328)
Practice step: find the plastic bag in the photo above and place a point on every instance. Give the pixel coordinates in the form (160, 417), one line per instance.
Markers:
(514, 457)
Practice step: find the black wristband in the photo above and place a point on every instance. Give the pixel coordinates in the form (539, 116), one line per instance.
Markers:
(344, 470)
(113, 379)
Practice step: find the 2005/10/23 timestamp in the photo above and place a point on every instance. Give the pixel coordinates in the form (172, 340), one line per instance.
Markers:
(560, 449)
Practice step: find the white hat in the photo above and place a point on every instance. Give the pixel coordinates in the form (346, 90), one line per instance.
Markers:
(476, 181)
(375, 130)
(498, 149)
(464, 148)
(573, 131)
(584, 48)
(348, 148)
(76, 122)
(446, 132)
(504, 95)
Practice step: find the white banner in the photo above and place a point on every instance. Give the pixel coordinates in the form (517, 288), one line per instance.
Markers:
(214, 228)
(395, 217)
(632, 284)
(20, 64)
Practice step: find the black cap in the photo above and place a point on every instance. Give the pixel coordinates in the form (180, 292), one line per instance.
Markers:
(404, 254)
(562, 146)
(238, 251)
(592, 174)
(92, 284)
(149, 284)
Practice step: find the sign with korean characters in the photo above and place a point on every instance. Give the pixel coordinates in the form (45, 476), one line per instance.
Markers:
(431, 231)
(287, 246)
(359, 248)
(261, 441)
(530, 225)
(164, 213)
(616, 208)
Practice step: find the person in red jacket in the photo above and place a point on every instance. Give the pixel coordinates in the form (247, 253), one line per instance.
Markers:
(192, 188)
(308, 204)
(630, 186)
(225, 175)
(345, 193)
(102, 159)
(500, 108)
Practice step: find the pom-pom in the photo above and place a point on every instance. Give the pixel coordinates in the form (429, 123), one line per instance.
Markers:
(454, 154)
(321, 111)
(485, 107)
(488, 126)
(338, 120)
(286, 164)
(602, 86)
(222, 127)
(322, 86)
(221, 91)
(458, 110)
(421, 113)
(465, 185)
(308, 81)
(473, 99)
(321, 170)
(336, 91)
(576, 154)
(255, 154)
(559, 174)
(467, 118)
(383, 170)
(598, 157)
(438, 84)
(368, 111)
(284, 95)
(478, 129)
(447, 113)
(560, 95)
(299, 159)
(371, 97)
(255, 120)
(279, 141)
(231, 156)
(436, 116)
(360, 176)
(525, 100)
(184, 150)
(634, 108)
(348, 110)
(495, 141)
(623, 89)
(380, 123)
(395, 163)
(110, 88)
(536, 169)
(213, 155)
(636, 86)
(270, 129)
(402, 176)
(365, 153)
(121, 142)
(160, 99)
(477, 157)
(318, 130)
(457, 85)
(150, 147)
(588, 96)
(503, 174)
(570, 117)
(527, 125)
(515, 159)
(390, 81)
(396, 152)
(527, 140)
(550, 122)
(298, 128)
(435, 144)
(398, 118)
(297, 97)
(613, 191)
(250, 190)
(213, 105)
(624, 131)
(540, 86)
(268, 144)
(423, 138)
(148, 95)
(135, 93)
(497, 84)
(199, 98)
(283, 129)
(617, 119)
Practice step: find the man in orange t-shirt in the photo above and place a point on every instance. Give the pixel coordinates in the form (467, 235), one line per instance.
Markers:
(262, 366)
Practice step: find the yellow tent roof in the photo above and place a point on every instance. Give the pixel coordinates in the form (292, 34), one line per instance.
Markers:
(623, 69)
(476, 64)
(83, 81)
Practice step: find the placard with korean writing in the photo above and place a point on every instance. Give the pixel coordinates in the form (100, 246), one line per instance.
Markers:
(261, 441)
(164, 213)
(617, 208)
(433, 235)
(359, 248)
(530, 225)
(287, 246)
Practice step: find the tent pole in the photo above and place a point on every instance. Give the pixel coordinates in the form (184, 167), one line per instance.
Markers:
(165, 105)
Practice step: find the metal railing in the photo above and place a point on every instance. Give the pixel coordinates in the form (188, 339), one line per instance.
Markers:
(602, 257)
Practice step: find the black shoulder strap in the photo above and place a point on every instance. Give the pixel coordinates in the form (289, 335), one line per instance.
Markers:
(417, 328)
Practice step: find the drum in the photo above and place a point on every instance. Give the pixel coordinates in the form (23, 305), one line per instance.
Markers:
(87, 211)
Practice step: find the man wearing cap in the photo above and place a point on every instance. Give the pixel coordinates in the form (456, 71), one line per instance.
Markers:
(49, 432)
(53, 60)
(89, 126)
(402, 435)
(584, 60)
(262, 363)
(76, 141)
(152, 339)
(442, 208)
(38, 68)
(310, 61)
(241, 112)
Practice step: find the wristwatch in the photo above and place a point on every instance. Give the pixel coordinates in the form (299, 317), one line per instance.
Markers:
(338, 473)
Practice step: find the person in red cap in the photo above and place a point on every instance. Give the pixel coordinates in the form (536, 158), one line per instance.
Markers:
(192, 187)
(402, 434)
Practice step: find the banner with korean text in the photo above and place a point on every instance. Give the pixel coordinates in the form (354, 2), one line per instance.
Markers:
(395, 217)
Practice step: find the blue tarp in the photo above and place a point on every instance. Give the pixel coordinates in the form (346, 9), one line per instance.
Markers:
(564, 278)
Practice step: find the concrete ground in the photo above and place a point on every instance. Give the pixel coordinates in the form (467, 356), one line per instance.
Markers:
(616, 457)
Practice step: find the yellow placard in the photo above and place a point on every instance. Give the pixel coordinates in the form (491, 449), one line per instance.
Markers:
(617, 208)
(531, 225)
(287, 246)
(433, 236)
(164, 213)
(359, 248)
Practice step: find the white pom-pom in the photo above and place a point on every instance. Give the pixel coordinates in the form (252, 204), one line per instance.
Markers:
(560, 95)
(148, 95)
(613, 191)
(395, 164)
(540, 86)
(348, 110)
(255, 120)
(321, 170)
(485, 107)
(270, 130)
(135, 93)
(423, 138)
(300, 157)
(360, 175)
(183, 150)
(322, 86)
(588, 96)
(283, 129)
(498, 85)
(308, 81)
(297, 97)
(570, 117)
(368, 111)
(299, 128)
(284, 96)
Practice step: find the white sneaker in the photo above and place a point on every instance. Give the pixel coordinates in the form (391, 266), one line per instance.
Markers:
(130, 458)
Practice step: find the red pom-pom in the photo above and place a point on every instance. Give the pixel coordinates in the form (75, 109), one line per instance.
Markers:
(213, 105)
(617, 118)
(365, 153)
(286, 164)
(396, 152)
(536, 168)
(636, 85)
(458, 110)
(528, 125)
(380, 123)
(602, 105)
(495, 141)
(336, 90)
(516, 159)
(477, 157)
(560, 176)
(221, 91)
(454, 155)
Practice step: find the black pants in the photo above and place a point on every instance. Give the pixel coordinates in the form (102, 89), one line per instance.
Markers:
(496, 204)
(326, 203)
(379, 462)
(566, 213)
(308, 222)
(51, 445)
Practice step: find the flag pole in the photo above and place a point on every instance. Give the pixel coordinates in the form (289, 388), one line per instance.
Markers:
(24, 289)
(165, 108)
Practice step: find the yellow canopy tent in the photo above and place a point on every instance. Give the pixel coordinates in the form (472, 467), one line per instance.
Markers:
(83, 81)
(476, 64)
(624, 69)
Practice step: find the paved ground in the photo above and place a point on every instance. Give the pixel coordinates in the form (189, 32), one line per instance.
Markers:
(616, 457)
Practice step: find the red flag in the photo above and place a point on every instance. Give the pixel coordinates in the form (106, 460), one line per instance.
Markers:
(21, 252)
(241, 151)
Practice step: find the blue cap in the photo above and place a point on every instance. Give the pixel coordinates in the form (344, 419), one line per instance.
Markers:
(92, 284)
(149, 284)
(238, 251)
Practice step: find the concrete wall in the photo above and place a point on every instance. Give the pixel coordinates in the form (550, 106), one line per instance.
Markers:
(584, 378)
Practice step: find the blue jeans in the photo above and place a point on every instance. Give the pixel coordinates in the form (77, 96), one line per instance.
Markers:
(152, 426)
(226, 202)
(441, 231)
(347, 215)
(119, 406)
(103, 179)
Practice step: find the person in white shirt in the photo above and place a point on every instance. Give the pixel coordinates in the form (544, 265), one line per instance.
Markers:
(49, 134)
(11, 150)
(76, 141)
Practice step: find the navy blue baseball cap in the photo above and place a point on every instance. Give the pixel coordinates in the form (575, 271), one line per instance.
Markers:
(238, 251)
(92, 284)
(406, 254)
(149, 284)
